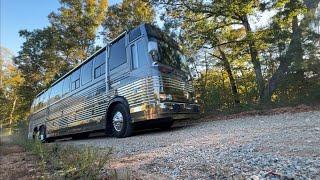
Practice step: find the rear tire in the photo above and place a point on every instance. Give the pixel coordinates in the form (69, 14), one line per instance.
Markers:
(120, 121)
(42, 135)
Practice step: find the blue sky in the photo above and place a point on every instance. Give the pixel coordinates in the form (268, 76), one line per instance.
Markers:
(24, 14)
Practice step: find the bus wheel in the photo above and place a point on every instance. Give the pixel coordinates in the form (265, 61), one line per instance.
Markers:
(35, 134)
(121, 121)
(42, 134)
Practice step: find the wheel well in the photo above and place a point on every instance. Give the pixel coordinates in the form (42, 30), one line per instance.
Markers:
(114, 102)
(35, 129)
(110, 108)
(42, 127)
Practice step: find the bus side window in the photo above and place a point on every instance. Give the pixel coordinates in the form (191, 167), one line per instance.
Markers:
(134, 34)
(56, 92)
(41, 100)
(100, 65)
(35, 107)
(75, 80)
(118, 55)
(46, 97)
(66, 85)
(86, 73)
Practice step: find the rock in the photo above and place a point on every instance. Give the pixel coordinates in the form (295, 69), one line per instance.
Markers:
(254, 177)
(313, 170)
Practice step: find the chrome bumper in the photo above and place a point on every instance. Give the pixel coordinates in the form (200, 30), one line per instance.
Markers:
(172, 110)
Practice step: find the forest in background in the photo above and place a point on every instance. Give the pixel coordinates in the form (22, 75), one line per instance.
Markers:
(237, 58)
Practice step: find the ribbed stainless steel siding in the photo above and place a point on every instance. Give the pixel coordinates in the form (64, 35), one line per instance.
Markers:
(79, 108)
(87, 105)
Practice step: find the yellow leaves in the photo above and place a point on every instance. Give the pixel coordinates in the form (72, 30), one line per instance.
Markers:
(12, 78)
(127, 15)
(281, 3)
(90, 7)
(100, 11)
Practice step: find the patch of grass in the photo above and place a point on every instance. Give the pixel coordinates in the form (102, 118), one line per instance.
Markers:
(69, 162)
(74, 163)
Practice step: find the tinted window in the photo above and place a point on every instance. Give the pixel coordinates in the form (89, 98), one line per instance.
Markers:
(86, 73)
(134, 34)
(117, 54)
(36, 105)
(75, 80)
(100, 65)
(33, 105)
(100, 59)
(134, 56)
(46, 97)
(41, 101)
(170, 53)
(56, 92)
(66, 85)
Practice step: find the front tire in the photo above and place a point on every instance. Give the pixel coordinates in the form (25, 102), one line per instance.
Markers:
(120, 120)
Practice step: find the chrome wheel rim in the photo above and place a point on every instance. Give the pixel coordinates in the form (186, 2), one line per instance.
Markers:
(41, 136)
(117, 121)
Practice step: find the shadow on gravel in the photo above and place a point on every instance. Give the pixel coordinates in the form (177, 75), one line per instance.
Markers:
(157, 131)
(145, 131)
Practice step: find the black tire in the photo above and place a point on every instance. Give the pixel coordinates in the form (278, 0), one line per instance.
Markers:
(166, 125)
(35, 134)
(42, 135)
(124, 129)
(80, 136)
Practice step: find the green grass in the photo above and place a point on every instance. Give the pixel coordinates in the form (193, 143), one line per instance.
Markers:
(64, 162)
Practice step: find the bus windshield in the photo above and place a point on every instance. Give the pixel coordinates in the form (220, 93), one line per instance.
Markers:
(169, 51)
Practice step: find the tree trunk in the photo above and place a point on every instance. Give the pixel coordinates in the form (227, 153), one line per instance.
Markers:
(254, 58)
(206, 70)
(12, 110)
(294, 52)
(227, 67)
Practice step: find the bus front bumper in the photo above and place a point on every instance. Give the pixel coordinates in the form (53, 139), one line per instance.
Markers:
(173, 110)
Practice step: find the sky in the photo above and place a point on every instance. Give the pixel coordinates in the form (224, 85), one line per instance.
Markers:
(16, 15)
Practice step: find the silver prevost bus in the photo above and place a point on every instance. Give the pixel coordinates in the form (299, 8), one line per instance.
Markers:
(139, 76)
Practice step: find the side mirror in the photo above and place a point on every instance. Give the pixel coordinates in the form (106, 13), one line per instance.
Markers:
(153, 50)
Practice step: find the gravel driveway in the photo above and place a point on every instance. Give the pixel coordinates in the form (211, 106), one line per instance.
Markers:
(281, 146)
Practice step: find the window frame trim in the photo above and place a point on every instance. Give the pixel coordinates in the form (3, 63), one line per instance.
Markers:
(137, 57)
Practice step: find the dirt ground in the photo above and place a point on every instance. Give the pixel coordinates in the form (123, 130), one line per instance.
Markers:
(16, 163)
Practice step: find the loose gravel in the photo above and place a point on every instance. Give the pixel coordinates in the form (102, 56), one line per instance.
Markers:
(285, 146)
